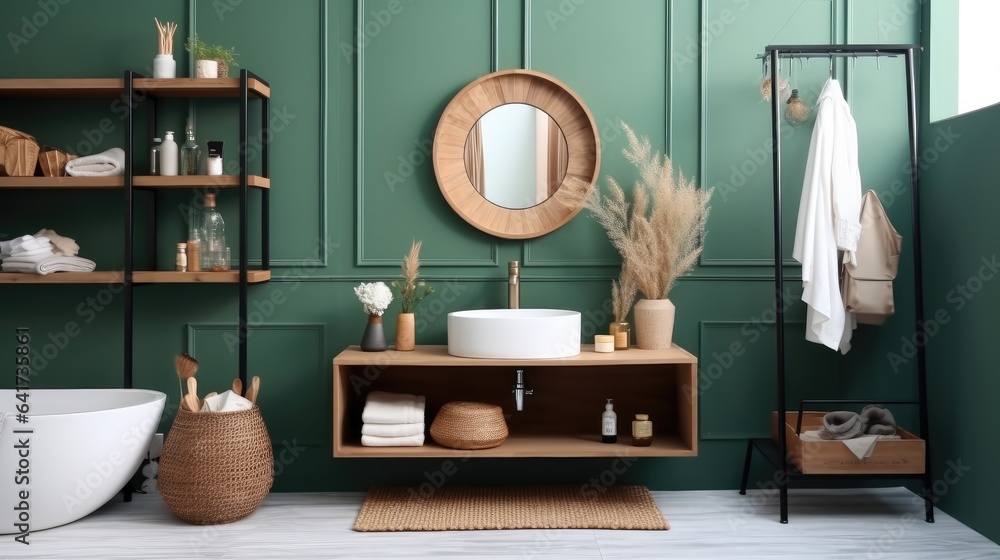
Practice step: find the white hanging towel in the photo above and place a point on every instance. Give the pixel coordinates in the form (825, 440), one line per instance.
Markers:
(829, 219)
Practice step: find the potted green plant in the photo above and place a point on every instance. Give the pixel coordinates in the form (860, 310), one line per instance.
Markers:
(411, 292)
(224, 58)
(211, 61)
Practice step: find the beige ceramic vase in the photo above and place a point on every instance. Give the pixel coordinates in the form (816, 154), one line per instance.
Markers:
(406, 336)
(654, 324)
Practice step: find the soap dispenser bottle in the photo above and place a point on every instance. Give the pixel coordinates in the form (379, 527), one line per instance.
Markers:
(609, 424)
(168, 155)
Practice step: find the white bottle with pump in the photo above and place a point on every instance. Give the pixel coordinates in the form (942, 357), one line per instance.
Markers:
(609, 424)
(168, 155)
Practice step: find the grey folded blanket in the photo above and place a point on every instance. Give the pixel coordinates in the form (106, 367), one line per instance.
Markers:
(879, 420)
(874, 420)
(842, 424)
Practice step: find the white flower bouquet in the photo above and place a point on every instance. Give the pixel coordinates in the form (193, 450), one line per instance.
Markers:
(375, 296)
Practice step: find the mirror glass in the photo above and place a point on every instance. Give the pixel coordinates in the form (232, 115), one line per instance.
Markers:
(516, 156)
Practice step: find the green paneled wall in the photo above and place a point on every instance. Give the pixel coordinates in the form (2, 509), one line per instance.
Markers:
(959, 198)
(366, 82)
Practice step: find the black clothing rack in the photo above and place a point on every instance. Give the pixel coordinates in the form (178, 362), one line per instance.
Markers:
(777, 453)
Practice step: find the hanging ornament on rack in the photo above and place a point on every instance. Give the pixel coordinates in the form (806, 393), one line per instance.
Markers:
(796, 111)
(784, 89)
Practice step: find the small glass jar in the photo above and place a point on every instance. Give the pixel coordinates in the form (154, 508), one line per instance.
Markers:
(642, 431)
(622, 332)
(181, 262)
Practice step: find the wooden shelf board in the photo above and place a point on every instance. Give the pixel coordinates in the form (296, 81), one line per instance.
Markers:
(96, 277)
(61, 87)
(115, 87)
(62, 182)
(197, 181)
(173, 277)
(200, 87)
(138, 277)
(428, 355)
(530, 446)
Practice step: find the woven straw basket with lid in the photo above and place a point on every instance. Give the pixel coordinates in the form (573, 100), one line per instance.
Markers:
(469, 425)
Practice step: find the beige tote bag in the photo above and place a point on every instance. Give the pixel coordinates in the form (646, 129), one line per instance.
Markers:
(867, 286)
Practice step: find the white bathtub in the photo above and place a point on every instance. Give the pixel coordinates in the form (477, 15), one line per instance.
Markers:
(84, 445)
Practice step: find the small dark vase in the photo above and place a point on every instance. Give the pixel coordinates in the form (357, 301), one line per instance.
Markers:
(374, 337)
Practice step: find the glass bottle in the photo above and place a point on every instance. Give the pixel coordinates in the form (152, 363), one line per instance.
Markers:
(181, 262)
(642, 431)
(213, 248)
(154, 157)
(609, 424)
(190, 152)
(194, 242)
(621, 331)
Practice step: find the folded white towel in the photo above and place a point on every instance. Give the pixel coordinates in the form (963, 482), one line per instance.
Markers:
(47, 265)
(407, 441)
(104, 164)
(29, 243)
(392, 430)
(34, 254)
(60, 243)
(393, 408)
(5, 247)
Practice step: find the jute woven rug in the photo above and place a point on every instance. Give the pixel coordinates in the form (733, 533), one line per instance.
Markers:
(510, 507)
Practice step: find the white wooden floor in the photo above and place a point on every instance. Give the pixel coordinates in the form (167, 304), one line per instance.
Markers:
(864, 524)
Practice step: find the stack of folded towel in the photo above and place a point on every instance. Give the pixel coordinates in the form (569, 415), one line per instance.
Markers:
(859, 432)
(105, 164)
(393, 420)
(43, 253)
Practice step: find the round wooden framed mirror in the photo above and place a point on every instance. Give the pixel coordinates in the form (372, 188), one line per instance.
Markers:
(516, 153)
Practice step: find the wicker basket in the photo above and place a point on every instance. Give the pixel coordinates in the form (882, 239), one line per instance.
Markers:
(18, 153)
(216, 467)
(52, 161)
(469, 425)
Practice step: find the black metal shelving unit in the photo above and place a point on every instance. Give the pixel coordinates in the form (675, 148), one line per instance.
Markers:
(776, 453)
(244, 96)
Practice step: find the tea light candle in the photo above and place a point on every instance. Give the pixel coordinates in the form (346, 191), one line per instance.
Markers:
(604, 343)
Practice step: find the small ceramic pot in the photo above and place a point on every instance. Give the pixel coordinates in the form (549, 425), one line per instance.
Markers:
(206, 69)
(164, 66)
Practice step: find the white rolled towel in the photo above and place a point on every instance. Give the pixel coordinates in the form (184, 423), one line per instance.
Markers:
(393, 408)
(104, 164)
(392, 430)
(406, 441)
(48, 265)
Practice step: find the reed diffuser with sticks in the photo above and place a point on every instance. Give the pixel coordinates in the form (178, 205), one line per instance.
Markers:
(164, 65)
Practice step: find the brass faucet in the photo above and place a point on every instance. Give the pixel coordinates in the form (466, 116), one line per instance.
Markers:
(513, 285)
